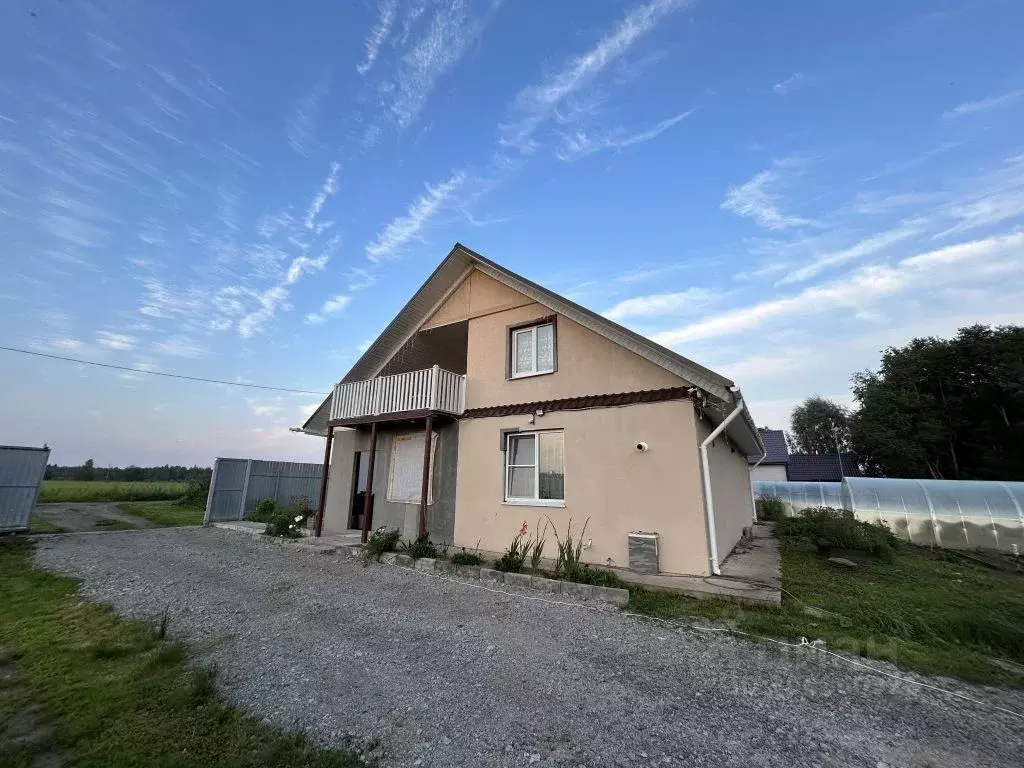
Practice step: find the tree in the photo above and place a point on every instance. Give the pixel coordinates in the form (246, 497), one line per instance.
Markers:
(87, 471)
(818, 424)
(945, 408)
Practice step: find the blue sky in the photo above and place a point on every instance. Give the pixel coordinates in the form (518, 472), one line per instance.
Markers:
(249, 193)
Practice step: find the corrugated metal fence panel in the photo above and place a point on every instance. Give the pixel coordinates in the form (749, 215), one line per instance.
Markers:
(283, 481)
(228, 485)
(21, 472)
(239, 484)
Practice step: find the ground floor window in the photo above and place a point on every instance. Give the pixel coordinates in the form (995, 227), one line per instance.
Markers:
(535, 468)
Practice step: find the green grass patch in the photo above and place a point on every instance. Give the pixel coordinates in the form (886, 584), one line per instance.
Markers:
(164, 515)
(37, 524)
(932, 612)
(114, 693)
(104, 490)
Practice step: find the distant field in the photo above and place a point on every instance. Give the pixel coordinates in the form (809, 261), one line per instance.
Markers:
(103, 490)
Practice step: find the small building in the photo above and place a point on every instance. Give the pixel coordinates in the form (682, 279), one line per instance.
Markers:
(772, 467)
(822, 467)
(490, 401)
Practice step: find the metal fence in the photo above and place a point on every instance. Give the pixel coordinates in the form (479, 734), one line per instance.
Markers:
(21, 473)
(238, 484)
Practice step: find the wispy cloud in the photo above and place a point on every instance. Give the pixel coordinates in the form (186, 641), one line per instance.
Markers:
(794, 82)
(760, 198)
(534, 105)
(180, 346)
(866, 247)
(983, 105)
(332, 306)
(360, 279)
(659, 304)
(400, 231)
(268, 302)
(861, 288)
(302, 124)
(303, 264)
(580, 144)
(386, 13)
(117, 341)
(446, 35)
(329, 187)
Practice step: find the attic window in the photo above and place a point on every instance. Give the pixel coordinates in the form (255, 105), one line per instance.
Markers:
(532, 349)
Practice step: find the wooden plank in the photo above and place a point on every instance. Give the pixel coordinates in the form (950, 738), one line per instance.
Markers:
(368, 501)
(425, 487)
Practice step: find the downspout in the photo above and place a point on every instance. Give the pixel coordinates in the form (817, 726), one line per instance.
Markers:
(709, 502)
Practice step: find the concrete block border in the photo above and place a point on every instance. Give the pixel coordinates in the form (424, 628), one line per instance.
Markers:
(610, 595)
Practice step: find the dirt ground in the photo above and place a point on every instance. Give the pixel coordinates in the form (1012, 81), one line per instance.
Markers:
(86, 516)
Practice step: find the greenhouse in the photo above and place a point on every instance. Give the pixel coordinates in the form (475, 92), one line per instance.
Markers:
(960, 514)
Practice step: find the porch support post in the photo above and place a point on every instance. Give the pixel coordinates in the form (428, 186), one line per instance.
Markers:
(319, 527)
(368, 501)
(425, 488)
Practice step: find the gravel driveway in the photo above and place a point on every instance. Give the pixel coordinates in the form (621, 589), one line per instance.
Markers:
(444, 674)
(85, 516)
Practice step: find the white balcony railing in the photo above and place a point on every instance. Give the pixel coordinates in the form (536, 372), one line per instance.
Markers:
(433, 389)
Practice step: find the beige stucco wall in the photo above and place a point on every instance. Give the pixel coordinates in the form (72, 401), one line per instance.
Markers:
(339, 481)
(606, 480)
(477, 294)
(775, 473)
(730, 486)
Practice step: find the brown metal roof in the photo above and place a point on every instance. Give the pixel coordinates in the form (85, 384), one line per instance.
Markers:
(580, 403)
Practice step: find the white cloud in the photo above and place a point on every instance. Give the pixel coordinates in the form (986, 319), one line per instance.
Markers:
(760, 200)
(330, 186)
(862, 287)
(535, 104)
(359, 279)
(579, 144)
(794, 82)
(302, 124)
(763, 367)
(983, 105)
(303, 264)
(180, 346)
(403, 229)
(386, 13)
(330, 307)
(866, 247)
(268, 303)
(115, 340)
(659, 304)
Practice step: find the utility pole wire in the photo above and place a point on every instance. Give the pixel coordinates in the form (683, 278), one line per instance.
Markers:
(160, 373)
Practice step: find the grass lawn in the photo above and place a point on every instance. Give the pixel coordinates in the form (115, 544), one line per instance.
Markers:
(164, 515)
(36, 524)
(103, 691)
(104, 490)
(932, 612)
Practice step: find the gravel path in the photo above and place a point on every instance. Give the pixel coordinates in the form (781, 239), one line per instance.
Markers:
(444, 674)
(84, 516)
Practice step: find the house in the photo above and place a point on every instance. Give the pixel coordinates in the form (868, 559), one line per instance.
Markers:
(490, 401)
(821, 467)
(771, 466)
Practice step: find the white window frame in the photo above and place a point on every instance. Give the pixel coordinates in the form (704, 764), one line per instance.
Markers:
(530, 501)
(514, 359)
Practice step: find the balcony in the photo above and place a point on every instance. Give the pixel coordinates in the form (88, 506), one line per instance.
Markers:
(402, 395)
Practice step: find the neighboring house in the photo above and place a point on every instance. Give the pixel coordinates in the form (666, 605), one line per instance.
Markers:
(773, 466)
(536, 409)
(821, 467)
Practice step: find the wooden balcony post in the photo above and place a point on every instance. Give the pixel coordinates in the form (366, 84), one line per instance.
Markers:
(425, 488)
(319, 526)
(368, 501)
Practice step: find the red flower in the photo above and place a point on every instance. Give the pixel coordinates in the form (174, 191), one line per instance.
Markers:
(522, 531)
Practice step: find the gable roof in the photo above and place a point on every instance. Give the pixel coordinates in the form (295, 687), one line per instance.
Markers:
(457, 266)
(776, 450)
(821, 467)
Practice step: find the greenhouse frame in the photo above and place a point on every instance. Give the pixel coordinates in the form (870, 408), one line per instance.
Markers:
(958, 514)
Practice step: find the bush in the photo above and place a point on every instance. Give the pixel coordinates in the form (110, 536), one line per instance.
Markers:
(595, 576)
(770, 509)
(265, 510)
(381, 540)
(196, 493)
(829, 528)
(466, 558)
(569, 552)
(286, 523)
(420, 548)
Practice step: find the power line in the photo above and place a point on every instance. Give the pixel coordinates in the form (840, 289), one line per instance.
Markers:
(160, 373)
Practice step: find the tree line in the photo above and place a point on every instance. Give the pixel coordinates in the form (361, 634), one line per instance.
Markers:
(936, 408)
(167, 473)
